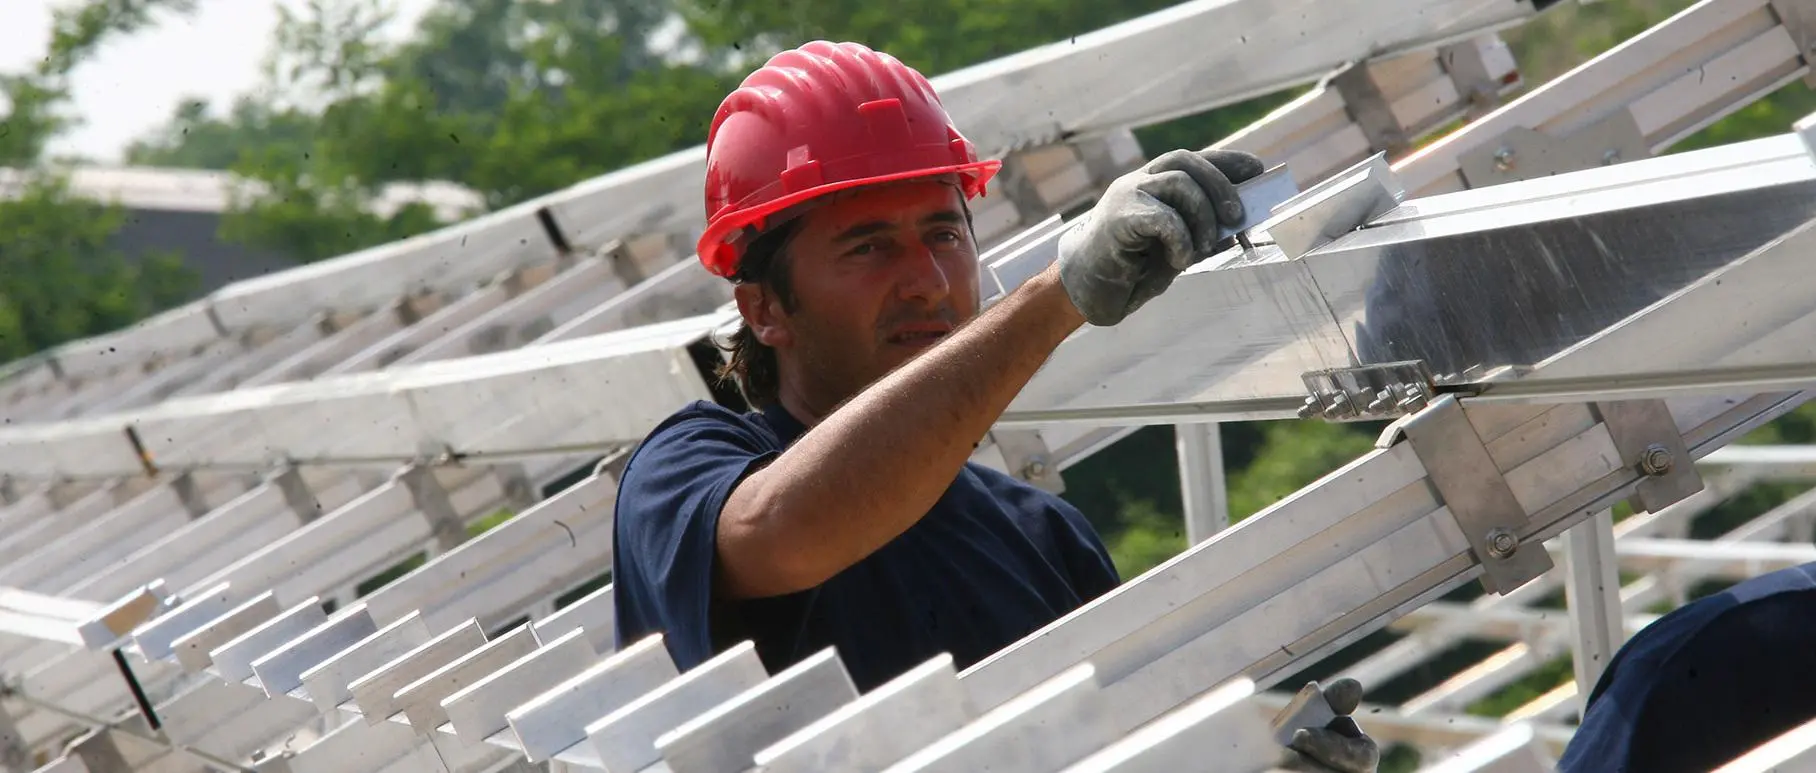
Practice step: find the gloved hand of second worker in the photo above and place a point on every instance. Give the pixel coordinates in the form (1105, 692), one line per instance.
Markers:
(1152, 224)
(1339, 746)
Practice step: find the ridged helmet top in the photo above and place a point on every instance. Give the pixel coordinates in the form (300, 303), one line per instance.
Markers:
(817, 119)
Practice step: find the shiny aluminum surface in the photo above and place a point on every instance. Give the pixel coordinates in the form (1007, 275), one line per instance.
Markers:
(1502, 277)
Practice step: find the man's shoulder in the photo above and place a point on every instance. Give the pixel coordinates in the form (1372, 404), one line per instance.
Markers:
(1024, 499)
(701, 421)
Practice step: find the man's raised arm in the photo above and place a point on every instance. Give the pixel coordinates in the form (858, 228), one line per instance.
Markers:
(877, 464)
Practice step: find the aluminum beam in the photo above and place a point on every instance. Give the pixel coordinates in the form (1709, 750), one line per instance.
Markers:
(1074, 87)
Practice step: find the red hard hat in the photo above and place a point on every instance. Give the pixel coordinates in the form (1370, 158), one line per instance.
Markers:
(822, 118)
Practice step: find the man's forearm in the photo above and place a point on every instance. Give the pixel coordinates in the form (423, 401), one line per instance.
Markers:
(877, 464)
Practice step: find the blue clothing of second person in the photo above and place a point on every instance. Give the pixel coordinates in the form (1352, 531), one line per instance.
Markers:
(994, 560)
(1705, 683)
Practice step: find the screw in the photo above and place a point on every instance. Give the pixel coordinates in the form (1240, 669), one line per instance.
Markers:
(1501, 542)
(1656, 461)
(1384, 400)
(1035, 468)
(1610, 156)
(1503, 159)
(1309, 409)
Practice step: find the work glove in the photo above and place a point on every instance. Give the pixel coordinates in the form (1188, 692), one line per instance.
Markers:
(1339, 746)
(1152, 224)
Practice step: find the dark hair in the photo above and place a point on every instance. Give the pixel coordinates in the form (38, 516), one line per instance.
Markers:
(765, 262)
(751, 363)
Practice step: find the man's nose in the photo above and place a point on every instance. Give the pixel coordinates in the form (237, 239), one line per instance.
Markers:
(922, 277)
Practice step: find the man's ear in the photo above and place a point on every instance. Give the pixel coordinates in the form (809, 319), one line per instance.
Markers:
(764, 315)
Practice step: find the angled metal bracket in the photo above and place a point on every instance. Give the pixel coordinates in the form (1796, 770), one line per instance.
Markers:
(1525, 154)
(1025, 456)
(1647, 438)
(296, 493)
(431, 498)
(190, 494)
(1471, 63)
(1368, 392)
(1471, 486)
(1341, 204)
(1368, 107)
(1799, 19)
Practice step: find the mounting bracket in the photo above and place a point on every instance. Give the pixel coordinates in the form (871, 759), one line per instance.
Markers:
(1647, 439)
(1525, 154)
(1025, 456)
(1471, 486)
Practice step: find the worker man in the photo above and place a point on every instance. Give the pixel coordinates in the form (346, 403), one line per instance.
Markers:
(1705, 683)
(843, 511)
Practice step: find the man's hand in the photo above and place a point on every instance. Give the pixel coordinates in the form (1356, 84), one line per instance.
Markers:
(1339, 746)
(1152, 224)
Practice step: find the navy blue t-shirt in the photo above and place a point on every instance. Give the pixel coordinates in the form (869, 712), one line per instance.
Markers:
(994, 560)
(1707, 682)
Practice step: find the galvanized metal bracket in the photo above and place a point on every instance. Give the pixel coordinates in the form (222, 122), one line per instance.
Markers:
(1369, 109)
(1525, 154)
(1648, 441)
(431, 498)
(189, 493)
(1341, 204)
(1468, 64)
(1799, 19)
(1368, 392)
(289, 481)
(1026, 456)
(1471, 486)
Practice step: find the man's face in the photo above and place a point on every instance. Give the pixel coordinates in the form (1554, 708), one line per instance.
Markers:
(879, 275)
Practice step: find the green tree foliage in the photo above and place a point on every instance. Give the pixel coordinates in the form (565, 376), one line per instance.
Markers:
(60, 276)
(938, 37)
(60, 279)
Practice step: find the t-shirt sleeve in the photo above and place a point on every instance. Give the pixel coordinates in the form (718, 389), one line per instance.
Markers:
(669, 499)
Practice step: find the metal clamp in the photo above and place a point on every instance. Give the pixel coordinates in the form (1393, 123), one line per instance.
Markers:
(1342, 203)
(1368, 392)
(1471, 485)
(1648, 441)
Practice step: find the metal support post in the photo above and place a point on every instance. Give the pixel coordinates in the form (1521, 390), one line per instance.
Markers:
(14, 752)
(1201, 480)
(1593, 594)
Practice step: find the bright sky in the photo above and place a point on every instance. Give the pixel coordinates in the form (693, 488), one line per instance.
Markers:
(135, 82)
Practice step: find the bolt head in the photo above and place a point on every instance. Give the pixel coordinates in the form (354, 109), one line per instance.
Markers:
(1656, 461)
(1502, 543)
(1503, 159)
(1035, 469)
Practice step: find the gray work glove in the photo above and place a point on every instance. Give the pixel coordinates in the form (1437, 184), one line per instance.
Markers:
(1339, 746)
(1152, 224)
